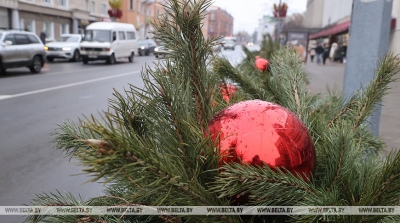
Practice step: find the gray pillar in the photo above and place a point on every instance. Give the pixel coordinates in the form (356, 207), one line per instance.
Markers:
(15, 19)
(369, 41)
(75, 26)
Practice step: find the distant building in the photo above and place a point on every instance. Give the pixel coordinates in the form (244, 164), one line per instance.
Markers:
(220, 22)
(55, 17)
(266, 25)
(9, 17)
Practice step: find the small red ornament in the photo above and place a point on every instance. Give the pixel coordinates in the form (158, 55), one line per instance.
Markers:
(263, 133)
(261, 63)
(227, 91)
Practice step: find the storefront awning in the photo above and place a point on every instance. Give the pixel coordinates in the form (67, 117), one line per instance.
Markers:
(339, 28)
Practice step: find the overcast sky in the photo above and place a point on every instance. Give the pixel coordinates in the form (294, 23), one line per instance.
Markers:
(246, 13)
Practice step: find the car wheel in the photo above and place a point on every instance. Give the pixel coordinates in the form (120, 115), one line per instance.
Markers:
(85, 60)
(77, 56)
(140, 53)
(147, 52)
(156, 55)
(111, 59)
(2, 69)
(36, 65)
(50, 59)
(131, 57)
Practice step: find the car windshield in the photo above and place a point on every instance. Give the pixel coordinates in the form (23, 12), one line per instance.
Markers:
(68, 39)
(142, 42)
(229, 42)
(98, 35)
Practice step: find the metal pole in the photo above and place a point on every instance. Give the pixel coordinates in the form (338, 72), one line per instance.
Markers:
(369, 41)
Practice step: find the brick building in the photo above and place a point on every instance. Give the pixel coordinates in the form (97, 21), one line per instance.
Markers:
(220, 22)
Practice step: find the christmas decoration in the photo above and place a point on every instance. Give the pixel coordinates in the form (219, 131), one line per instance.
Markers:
(115, 11)
(261, 63)
(280, 10)
(227, 91)
(262, 133)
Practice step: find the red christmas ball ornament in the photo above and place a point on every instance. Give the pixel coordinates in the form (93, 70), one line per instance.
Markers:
(227, 91)
(261, 63)
(263, 133)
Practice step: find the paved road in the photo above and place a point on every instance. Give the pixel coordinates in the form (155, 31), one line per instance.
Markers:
(32, 105)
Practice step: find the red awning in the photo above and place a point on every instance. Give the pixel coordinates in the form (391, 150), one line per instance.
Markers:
(339, 28)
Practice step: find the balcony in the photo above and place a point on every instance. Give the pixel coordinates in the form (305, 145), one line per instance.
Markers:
(9, 4)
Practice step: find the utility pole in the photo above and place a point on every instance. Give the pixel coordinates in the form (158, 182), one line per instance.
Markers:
(369, 41)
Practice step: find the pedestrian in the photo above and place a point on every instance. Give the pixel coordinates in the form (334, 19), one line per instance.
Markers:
(43, 39)
(332, 51)
(312, 54)
(319, 51)
(43, 36)
(326, 53)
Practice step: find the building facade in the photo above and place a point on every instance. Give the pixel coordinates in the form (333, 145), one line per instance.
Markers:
(141, 13)
(220, 22)
(266, 25)
(54, 17)
(313, 17)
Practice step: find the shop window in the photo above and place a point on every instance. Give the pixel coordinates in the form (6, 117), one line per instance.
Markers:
(48, 28)
(64, 29)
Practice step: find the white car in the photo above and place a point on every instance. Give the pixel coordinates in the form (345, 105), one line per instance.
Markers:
(67, 47)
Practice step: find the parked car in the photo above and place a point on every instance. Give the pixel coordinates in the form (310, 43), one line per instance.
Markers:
(160, 51)
(146, 47)
(67, 47)
(109, 41)
(217, 48)
(229, 44)
(21, 49)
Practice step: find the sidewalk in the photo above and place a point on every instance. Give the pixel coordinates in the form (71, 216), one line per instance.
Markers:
(331, 75)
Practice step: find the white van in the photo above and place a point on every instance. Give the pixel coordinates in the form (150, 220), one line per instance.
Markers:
(109, 41)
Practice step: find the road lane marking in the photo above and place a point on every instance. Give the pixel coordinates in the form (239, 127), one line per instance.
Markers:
(3, 97)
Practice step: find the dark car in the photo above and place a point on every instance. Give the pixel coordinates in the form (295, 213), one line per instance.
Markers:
(146, 47)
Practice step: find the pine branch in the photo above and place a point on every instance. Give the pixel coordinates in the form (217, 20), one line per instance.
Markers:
(264, 186)
(225, 70)
(362, 103)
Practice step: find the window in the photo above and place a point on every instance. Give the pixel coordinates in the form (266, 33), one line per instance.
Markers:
(97, 35)
(114, 36)
(131, 5)
(22, 24)
(86, 5)
(93, 10)
(130, 35)
(103, 9)
(48, 28)
(21, 39)
(212, 16)
(121, 35)
(31, 26)
(138, 6)
(158, 12)
(211, 27)
(33, 39)
(64, 29)
(63, 3)
(47, 2)
(10, 37)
